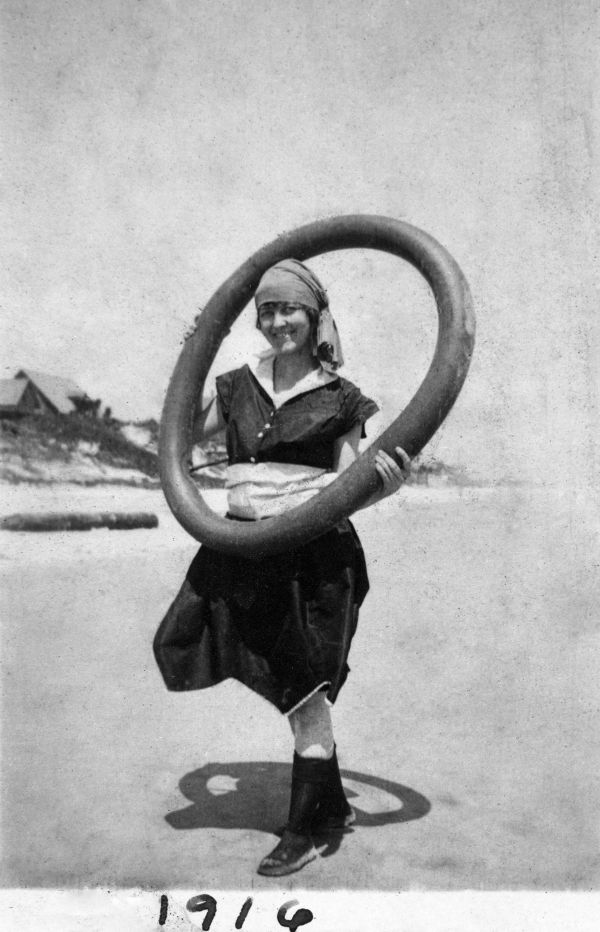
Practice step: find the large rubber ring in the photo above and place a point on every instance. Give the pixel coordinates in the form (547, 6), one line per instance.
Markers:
(411, 430)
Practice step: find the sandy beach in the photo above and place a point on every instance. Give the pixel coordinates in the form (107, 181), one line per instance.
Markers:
(467, 732)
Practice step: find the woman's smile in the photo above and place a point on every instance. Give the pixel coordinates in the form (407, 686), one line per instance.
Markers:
(284, 335)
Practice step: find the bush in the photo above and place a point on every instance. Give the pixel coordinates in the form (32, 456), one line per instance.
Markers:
(60, 434)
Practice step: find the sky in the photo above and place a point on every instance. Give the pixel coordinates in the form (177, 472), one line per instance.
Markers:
(151, 146)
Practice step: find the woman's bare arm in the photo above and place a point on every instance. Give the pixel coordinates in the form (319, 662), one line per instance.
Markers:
(208, 422)
(346, 449)
(392, 474)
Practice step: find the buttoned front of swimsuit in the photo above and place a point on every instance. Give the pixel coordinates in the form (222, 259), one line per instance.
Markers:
(302, 430)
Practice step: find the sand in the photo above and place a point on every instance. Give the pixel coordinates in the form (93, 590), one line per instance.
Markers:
(468, 729)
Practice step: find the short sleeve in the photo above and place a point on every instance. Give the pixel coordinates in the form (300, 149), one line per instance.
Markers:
(357, 407)
(224, 385)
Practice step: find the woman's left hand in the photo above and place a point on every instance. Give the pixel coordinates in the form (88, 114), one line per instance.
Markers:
(391, 473)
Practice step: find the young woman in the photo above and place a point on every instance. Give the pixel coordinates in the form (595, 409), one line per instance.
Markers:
(283, 625)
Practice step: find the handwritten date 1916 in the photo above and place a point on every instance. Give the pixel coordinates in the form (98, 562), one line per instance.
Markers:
(206, 903)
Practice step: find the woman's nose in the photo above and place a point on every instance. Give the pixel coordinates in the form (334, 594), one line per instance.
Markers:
(279, 320)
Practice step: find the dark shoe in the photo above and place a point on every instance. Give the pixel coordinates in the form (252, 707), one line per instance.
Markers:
(291, 854)
(334, 811)
(324, 822)
(296, 848)
(310, 776)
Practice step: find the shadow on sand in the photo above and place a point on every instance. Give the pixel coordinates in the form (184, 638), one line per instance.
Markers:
(255, 795)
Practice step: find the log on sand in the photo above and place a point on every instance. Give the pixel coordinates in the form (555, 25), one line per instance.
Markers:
(78, 521)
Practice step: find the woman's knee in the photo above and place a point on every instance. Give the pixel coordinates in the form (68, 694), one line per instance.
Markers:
(312, 728)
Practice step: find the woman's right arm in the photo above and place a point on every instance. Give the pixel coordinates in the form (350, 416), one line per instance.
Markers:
(208, 422)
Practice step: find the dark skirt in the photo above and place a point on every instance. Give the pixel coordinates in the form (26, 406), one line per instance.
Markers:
(282, 625)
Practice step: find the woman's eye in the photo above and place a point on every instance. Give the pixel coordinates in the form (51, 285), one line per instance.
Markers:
(266, 316)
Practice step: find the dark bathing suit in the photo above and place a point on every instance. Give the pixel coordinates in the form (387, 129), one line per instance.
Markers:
(282, 625)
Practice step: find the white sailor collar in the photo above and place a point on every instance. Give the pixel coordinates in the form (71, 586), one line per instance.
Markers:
(262, 370)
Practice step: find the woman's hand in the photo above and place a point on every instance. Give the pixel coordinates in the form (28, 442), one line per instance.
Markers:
(192, 327)
(391, 473)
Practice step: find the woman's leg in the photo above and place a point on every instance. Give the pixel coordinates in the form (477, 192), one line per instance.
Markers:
(310, 776)
(317, 800)
(313, 729)
(313, 733)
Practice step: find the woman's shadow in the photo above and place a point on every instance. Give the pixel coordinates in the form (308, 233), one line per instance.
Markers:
(255, 795)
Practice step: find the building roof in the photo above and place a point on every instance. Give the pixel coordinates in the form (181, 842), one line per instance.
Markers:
(11, 391)
(57, 390)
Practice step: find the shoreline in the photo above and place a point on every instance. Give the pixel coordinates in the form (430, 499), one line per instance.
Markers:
(410, 512)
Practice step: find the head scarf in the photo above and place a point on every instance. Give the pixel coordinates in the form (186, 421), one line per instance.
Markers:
(292, 281)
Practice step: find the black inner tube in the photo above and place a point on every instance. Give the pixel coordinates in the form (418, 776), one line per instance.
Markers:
(412, 429)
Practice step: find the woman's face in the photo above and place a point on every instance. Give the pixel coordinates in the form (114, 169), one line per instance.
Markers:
(286, 326)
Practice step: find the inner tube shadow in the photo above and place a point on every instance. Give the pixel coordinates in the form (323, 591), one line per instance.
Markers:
(254, 796)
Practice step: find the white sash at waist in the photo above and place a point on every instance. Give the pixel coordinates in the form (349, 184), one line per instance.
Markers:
(263, 490)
